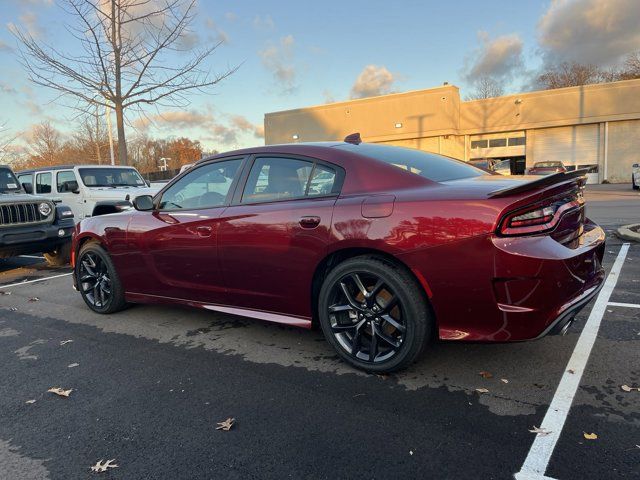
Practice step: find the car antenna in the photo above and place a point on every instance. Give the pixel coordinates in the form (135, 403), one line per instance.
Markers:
(353, 138)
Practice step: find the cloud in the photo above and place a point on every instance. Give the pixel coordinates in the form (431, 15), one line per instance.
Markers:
(244, 125)
(373, 80)
(230, 16)
(6, 88)
(175, 119)
(263, 22)
(278, 59)
(499, 59)
(597, 32)
(188, 40)
(30, 22)
(219, 35)
(5, 47)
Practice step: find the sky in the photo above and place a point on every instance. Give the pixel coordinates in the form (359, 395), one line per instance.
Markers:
(296, 54)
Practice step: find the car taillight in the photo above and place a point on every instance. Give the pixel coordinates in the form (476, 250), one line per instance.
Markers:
(537, 219)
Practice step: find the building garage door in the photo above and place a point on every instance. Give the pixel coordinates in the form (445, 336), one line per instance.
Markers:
(576, 147)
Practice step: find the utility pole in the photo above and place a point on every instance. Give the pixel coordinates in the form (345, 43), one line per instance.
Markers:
(107, 112)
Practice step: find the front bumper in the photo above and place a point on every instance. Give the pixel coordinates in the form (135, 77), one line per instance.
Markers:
(35, 238)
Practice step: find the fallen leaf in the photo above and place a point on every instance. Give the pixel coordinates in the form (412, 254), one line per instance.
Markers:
(627, 388)
(71, 365)
(484, 374)
(504, 380)
(102, 466)
(382, 376)
(540, 431)
(64, 342)
(29, 402)
(13, 309)
(571, 370)
(590, 436)
(482, 390)
(410, 452)
(59, 391)
(2, 292)
(34, 299)
(226, 425)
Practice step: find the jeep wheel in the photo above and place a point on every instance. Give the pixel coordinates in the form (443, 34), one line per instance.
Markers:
(60, 256)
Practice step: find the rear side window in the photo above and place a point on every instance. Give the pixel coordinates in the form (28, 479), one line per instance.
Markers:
(43, 183)
(428, 165)
(276, 178)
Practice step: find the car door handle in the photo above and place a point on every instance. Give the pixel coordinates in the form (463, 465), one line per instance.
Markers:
(204, 231)
(309, 222)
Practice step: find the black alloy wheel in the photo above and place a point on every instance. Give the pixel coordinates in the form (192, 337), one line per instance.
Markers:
(374, 314)
(98, 280)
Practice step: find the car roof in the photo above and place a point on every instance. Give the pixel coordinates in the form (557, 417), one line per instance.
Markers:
(70, 167)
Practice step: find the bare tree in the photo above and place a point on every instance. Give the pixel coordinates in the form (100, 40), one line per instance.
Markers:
(6, 140)
(486, 87)
(630, 67)
(571, 74)
(45, 143)
(91, 136)
(122, 59)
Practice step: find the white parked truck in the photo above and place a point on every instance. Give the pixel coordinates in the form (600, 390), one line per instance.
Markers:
(89, 190)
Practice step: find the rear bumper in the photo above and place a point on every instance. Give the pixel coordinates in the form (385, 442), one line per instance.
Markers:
(500, 289)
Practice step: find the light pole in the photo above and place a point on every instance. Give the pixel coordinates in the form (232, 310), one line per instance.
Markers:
(107, 112)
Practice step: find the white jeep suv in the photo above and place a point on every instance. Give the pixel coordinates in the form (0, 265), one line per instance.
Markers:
(89, 190)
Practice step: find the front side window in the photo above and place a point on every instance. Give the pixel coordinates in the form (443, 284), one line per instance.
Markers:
(63, 180)
(203, 187)
(43, 183)
(276, 178)
(111, 177)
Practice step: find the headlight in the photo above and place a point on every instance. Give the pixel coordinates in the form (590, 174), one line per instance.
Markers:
(44, 209)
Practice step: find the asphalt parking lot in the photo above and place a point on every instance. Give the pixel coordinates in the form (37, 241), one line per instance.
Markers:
(150, 384)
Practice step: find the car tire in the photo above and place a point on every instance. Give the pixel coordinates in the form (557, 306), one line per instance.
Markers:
(98, 280)
(397, 312)
(633, 183)
(60, 256)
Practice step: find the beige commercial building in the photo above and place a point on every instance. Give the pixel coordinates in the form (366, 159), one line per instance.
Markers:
(594, 126)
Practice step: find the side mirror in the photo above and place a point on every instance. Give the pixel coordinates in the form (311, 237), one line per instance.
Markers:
(635, 165)
(143, 203)
(28, 187)
(72, 186)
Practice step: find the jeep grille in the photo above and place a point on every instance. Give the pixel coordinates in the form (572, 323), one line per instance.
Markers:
(23, 214)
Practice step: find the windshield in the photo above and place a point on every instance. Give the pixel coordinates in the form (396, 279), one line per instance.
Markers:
(111, 177)
(8, 181)
(547, 164)
(428, 165)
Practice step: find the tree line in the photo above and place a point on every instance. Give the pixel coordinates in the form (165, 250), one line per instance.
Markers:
(565, 74)
(89, 144)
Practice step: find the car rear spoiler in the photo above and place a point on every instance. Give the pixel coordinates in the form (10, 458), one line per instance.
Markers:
(541, 182)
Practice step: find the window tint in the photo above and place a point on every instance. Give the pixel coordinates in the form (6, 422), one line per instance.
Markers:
(478, 144)
(8, 181)
(203, 187)
(428, 165)
(111, 177)
(517, 141)
(273, 178)
(43, 183)
(322, 181)
(62, 178)
(498, 142)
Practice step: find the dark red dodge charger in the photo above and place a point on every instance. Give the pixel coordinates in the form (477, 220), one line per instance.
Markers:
(384, 247)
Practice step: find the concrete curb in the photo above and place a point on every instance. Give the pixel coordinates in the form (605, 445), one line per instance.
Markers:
(626, 233)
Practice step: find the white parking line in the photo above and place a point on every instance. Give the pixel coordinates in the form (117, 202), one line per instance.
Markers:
(535, 465)
(629, 305)
(36, 280)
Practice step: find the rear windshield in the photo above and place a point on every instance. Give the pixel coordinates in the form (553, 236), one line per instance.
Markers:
(547, 164)
(8, 181)
(428, 165)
